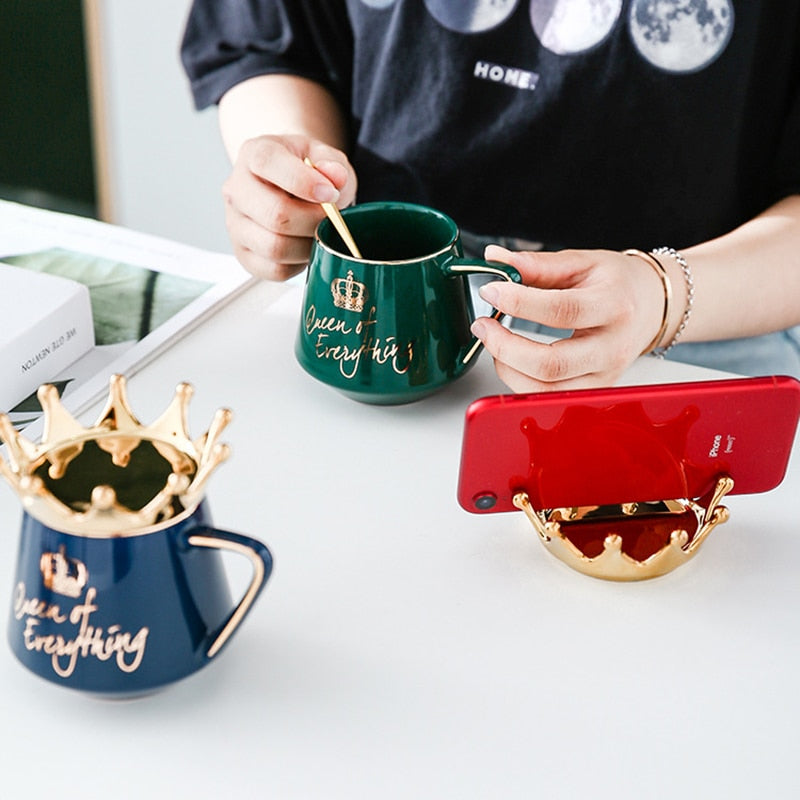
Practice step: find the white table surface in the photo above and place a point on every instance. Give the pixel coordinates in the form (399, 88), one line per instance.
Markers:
(407, 649)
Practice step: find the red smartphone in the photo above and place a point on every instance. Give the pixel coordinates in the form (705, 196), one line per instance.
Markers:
(628, 444)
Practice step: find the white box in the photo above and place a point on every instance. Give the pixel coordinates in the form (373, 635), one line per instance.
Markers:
(45, 325)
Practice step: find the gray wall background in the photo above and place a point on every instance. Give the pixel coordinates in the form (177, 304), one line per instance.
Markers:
(166, 162)
(92, 94)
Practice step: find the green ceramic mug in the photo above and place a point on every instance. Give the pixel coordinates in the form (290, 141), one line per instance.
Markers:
(393, 326)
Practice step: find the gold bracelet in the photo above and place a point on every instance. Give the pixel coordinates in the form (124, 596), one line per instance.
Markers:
(662, 274)
(687, 277)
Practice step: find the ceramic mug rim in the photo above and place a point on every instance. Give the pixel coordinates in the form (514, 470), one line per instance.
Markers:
(390, 205)
(156, 527)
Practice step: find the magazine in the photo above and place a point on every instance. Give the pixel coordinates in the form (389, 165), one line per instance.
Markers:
(145, 293)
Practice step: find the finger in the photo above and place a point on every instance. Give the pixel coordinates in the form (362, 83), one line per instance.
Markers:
(269, 207)
(519, 382)
(540, 361)
(545, 270)
(258, 248)
(335, 166)
(567, 309)
(274, 162)
(266, 270)
(561, 362)
(333, 169)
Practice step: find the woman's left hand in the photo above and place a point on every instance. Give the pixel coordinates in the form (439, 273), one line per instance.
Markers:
(613, 303)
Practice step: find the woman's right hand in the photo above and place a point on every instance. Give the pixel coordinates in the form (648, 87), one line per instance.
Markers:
(272, 200)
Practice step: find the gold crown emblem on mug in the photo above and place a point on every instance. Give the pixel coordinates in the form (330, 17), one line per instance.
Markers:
(63, 575)
(116, 477)
(348, 294)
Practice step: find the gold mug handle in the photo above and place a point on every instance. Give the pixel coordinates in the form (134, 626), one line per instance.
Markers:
(504, 272)
(261, 560)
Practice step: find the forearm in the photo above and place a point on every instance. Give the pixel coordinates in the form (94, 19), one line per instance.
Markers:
(747, 282)
(279, 104)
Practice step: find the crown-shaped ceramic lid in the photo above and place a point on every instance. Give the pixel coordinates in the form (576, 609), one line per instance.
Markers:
(117, 477)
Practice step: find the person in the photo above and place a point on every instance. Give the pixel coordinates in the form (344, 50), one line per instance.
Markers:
(569, 139)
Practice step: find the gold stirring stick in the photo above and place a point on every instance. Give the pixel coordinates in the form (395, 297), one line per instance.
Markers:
(338, 221)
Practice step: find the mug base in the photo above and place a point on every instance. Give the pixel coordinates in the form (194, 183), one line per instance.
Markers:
(393, 398)
(369, 396)
(105, 694)
(389, 399)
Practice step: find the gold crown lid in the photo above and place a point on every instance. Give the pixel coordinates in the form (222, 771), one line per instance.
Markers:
(117, 477)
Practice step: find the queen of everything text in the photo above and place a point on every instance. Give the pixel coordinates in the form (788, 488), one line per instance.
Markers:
(88, 641)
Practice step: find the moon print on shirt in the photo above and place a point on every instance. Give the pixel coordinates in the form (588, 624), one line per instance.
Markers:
(571, 26)
(470, 16)
(681, 35)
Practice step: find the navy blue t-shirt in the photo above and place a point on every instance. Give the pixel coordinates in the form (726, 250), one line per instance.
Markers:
(581, 123)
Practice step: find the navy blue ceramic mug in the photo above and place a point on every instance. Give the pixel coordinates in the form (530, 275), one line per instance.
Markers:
(126, 614)
(120, 585)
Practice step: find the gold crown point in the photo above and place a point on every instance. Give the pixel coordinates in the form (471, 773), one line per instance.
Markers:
(30, 484)
(104, 498)
(613, 542)
(178, 483)
(174, 421)
(117, 411)
(209, 441)
(58, 423)
(679, 538)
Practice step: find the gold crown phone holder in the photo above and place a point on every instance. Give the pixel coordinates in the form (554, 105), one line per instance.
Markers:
(629, 541)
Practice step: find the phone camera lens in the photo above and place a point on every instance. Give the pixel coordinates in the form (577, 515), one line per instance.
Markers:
(484, 502)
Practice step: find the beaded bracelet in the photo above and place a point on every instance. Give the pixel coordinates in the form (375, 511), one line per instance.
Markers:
(687, 276)
(662, 274)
